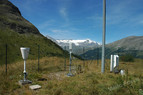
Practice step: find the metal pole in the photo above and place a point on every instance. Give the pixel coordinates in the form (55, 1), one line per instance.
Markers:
(97, 55)
(38, 56)
(70, 51)
(83, 58)
(65, 59)
(70, 62)
(6, 60)
(103, 37)
(24, 70)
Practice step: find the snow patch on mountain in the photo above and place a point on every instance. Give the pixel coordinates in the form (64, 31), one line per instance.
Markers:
(78, 42)
(77, 45)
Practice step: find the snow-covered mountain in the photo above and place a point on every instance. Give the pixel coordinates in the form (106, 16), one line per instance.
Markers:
(81, 43)
(77, 45)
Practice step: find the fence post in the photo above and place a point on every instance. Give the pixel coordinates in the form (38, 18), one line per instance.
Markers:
(83, 58)
(38, 56)
(97, 55)
(6, 59)
(65, 59)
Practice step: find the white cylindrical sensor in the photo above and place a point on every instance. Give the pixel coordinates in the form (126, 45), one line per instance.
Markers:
(112, 63)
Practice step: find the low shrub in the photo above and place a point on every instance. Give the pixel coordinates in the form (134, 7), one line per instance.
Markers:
(127, 58)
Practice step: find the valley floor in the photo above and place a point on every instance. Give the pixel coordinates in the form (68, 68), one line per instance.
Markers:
(87, 79)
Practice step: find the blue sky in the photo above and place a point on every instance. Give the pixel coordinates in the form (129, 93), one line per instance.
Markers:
(82, 19)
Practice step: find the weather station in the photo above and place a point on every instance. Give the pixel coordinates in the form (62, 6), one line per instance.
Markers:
(24, 52)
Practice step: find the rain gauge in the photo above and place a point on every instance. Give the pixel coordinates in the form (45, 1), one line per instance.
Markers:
(24, 52)
(70, 52)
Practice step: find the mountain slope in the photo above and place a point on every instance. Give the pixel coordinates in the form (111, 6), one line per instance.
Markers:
(10, 17)
(17, 32)
(131, 45)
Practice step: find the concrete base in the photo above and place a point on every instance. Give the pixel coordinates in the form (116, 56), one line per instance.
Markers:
(22, 82)
(35, 87)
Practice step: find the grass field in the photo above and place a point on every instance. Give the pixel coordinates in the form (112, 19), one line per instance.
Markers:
(87, 81)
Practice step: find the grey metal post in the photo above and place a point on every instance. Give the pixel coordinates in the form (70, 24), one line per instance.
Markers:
(6, 60)
(103, 37)
(97, 55)
(70, 73)
(38, 56)
(70, 62)
(65, 59)
(70, 51)
(24, 70)
(83, 58)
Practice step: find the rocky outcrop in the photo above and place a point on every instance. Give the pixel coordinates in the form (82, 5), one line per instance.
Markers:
(10, 17)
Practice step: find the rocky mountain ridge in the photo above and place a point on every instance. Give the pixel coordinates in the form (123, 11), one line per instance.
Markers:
(10, 17)
(132, 45)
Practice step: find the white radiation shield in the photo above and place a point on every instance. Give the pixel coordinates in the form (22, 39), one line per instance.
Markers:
(116, 61)
(70, 46)
(24, 52)
(112, 63)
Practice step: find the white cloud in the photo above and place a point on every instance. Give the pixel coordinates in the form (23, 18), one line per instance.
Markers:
(63, 8)
(46, 24)
(63, 12)
(60, 31)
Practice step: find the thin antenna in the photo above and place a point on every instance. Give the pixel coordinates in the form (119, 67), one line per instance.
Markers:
(103, 37)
